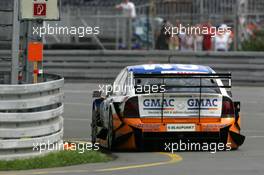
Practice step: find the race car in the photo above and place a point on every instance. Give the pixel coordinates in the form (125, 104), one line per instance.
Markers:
(150, 104)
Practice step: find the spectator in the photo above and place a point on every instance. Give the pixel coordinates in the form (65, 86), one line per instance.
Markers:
(182, 39)
(128, 8)
(198, 40)
(207, 38)
(190, 42)
(129, 13)
(163, 38)
(174, 43)
(223, 40)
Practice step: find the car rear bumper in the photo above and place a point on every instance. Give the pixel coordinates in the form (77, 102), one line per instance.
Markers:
(224, 137)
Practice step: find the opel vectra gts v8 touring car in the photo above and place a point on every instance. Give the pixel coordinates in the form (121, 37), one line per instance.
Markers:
(152, 103)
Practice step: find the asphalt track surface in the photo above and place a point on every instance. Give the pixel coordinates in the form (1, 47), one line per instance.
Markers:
(248, 160)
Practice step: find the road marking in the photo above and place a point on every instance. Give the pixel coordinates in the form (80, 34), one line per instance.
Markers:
(174, 158)
(77, 104)
(256, 131)
(77, 119)
(254, 136)
(78, 91)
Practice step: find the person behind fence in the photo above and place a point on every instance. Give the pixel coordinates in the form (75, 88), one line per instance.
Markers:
(128, 15)
(163, 39)
(207, 38)
(223, 39)
(198, 40)
(174, 42)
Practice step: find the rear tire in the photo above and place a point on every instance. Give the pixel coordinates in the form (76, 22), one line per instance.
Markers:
(142, 143)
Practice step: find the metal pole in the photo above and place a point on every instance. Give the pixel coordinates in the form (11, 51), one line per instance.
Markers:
(15, 44)
(236, 26)
(37, 65)
(29, 66)
(153, 15)
(129, 33)
(24, 35)
(117, 34)
(148, 26)
(201, 11)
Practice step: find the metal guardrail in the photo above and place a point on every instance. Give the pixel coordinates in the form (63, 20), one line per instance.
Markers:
(5, 77)
(247, 68)
(30, 115)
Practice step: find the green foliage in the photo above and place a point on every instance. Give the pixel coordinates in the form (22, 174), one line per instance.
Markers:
(255, 42)
(57, 159)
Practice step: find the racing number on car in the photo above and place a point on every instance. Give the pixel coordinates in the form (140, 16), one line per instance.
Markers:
(168, 66)
(188, 67)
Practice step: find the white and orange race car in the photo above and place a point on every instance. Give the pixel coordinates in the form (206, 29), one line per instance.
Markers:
(153, 103)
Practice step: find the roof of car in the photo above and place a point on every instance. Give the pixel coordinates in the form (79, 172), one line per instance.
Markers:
(168, 68)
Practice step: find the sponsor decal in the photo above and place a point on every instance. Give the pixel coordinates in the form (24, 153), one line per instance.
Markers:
(213, 127)
(173, 106)
(205, 104)
(158, 104)
(180, 127)
(149, 127)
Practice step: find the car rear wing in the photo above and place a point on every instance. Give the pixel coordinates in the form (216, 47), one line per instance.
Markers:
(226, 78)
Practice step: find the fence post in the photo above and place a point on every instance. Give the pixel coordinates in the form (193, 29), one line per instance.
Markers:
(15, 43)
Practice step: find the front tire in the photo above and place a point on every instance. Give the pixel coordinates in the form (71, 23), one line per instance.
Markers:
(94, 128)
(110, 136)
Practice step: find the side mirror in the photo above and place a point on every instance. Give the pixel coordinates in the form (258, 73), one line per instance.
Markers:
(109, 91)
(97, 94)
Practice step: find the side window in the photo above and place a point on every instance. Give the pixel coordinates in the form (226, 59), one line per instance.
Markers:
(119, 76)
(119, 82)
(128, 83)
(123, 84)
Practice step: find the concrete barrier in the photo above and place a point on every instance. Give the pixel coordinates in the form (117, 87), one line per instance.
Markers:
(30, 115)
(247, 68)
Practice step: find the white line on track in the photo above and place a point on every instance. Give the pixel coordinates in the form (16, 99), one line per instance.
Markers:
(256, 131)
(254, 136)
(77, 104)
(78, 119)
(78, 92)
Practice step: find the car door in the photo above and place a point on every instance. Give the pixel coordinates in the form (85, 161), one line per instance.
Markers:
(115, 93)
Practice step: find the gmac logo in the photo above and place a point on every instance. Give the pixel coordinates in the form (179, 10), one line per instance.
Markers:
(158, 103)
(203, 102)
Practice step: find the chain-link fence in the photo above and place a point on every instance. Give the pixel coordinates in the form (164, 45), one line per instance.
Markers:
(150, 14)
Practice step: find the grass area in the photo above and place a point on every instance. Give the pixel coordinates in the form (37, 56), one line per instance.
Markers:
(57, 159)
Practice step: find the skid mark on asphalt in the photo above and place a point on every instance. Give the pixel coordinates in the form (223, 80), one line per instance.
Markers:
(173, 158)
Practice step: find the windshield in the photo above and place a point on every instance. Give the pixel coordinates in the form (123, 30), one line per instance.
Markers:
(171, 85)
